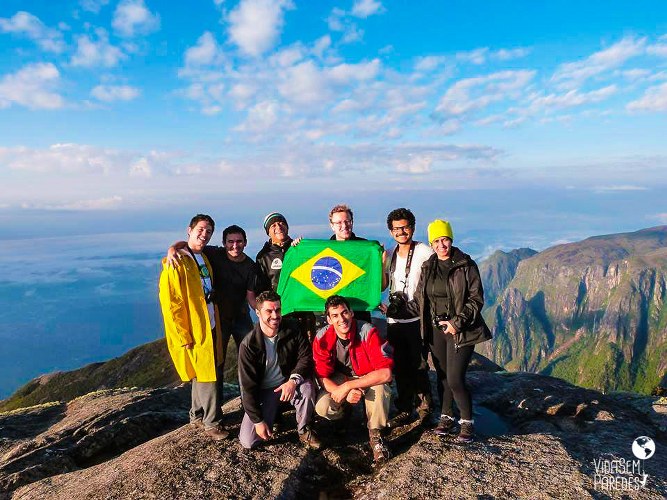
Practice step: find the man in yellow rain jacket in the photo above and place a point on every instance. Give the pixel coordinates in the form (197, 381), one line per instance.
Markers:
(192, 327)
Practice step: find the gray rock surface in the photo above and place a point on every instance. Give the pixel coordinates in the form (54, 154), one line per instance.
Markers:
(538, 438)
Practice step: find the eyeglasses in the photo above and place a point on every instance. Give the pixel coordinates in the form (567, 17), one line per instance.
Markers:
(342, 223)
(401, 229)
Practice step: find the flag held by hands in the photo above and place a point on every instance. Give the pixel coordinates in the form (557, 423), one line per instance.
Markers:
(316, 269)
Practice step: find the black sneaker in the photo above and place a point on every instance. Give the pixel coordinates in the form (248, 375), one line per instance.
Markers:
(446, 427)
(466, 434)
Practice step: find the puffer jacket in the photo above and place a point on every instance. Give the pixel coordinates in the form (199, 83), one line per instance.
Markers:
(466, 300)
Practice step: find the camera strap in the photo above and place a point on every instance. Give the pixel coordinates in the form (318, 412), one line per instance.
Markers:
(408, 262)
(204, 274)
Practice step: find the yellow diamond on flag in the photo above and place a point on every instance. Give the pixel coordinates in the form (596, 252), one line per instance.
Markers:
(326, 273)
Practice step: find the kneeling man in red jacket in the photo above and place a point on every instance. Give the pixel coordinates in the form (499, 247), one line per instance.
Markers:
(353, 363)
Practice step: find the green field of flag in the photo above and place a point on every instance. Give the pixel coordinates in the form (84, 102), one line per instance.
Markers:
(316, 269)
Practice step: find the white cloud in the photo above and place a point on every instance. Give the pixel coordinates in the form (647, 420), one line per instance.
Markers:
(419, 164)
(659, 49)
(91, 53)
(255, 25)
(476, 93)
(205, 52)
(483, 54)
(662, 218)
(321, 45)
(93, 5)
(339, 21)
(304, 84)
(63, 158)
(210, 95)
(261, 117)
(619, 188)
(109, 93)
(110, 203)
(366, 8)
(133, 18)
(344, 73)
(32, 86)
(571, 98)
(509, 54)
(288, 56)
(575, 73)
(24, 23)
(654, 99)
(477, 56)
(429, 63)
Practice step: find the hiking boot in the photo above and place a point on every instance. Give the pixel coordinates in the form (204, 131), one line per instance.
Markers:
(403, 418)
(424, 408)
(197, 423)
(446, 427)
(380, 451)
(279, 424)
(467, 433)
(309, 439)
(217, 433)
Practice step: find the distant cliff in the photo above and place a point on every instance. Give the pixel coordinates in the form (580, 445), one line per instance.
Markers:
(592, 312)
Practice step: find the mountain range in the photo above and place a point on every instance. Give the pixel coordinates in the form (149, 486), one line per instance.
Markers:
(591, 312)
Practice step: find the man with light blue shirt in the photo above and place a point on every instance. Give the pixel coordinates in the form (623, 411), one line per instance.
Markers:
(275, 365)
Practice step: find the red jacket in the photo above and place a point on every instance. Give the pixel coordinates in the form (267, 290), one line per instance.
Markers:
(368, 352)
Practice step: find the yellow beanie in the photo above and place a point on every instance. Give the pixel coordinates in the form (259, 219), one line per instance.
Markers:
(439, 228)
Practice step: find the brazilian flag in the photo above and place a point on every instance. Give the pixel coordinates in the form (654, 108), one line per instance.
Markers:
(314, 270)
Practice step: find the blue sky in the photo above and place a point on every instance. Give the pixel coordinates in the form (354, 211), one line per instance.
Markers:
(132, 105)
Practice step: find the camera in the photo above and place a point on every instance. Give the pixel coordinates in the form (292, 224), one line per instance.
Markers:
(437, 318)
(397, 303)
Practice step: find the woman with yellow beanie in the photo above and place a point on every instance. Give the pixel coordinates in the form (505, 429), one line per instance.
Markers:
(449, 299)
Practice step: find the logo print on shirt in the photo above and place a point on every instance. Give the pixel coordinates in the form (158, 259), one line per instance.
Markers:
(277, 263)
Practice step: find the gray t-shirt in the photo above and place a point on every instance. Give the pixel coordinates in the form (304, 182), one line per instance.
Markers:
(343, 364)
(273, 377)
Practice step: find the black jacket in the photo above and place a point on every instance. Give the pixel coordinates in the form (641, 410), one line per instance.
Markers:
(295, 357)
(354, 237)
(270, 261)
(466, 299)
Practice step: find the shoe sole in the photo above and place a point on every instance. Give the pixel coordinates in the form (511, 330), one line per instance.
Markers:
(452, 432)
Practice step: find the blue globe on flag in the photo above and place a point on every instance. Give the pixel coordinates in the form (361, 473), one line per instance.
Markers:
(326, 273)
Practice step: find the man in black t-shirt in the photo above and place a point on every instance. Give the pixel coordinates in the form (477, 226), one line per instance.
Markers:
(234, 281)
(236, 276)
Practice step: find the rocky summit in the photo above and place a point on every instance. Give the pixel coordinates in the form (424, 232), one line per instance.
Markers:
(538, 437)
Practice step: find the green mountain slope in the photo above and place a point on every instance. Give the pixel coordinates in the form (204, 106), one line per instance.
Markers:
(146, 366)
(591, 312)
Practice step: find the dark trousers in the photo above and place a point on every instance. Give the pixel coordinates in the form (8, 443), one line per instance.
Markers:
(410, 366)
(236, 329)
(450, 367)
(269, 401)
(206, 397)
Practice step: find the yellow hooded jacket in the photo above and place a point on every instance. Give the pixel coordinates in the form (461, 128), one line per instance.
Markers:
(186, 320)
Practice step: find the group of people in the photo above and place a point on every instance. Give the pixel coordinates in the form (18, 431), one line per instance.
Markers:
(434, 306)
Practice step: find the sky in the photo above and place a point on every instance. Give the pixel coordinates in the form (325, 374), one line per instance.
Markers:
(524, 123)
(135, 106)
